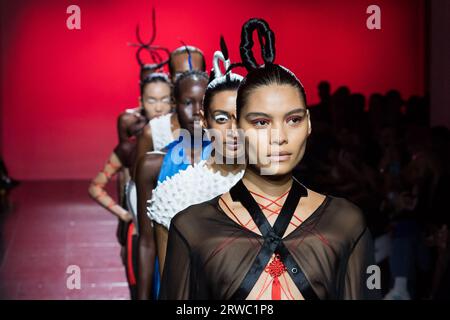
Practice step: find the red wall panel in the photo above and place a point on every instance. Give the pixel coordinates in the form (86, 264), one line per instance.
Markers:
(63, 89)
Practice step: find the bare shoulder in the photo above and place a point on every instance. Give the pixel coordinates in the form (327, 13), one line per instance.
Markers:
(128, 115)
(147, 131)
(148, 166)
(145, 136)
(126, 120)
(174, 123)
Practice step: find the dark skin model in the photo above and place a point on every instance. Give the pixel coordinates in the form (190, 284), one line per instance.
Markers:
(179, 64)
(130, 123)
(157, 90)
(188, 107)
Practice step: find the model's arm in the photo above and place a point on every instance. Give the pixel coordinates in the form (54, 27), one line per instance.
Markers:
(123, 121)
(147, 171)
(361, 278)
(175, 283)
(98, 192)
(123, 176)
(129, 123)
(161, 236)
(144, 144)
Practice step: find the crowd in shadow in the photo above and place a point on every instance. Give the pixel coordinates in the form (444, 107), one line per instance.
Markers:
(385, 157)
(6, 185)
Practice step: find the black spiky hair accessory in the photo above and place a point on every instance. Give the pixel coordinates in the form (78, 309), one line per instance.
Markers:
(154, 50)
(266, 39)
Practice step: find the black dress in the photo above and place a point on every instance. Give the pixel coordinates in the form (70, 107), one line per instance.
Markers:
(210, 256)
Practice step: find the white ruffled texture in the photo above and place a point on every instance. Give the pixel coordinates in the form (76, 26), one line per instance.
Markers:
(161, 131)
(194, 185)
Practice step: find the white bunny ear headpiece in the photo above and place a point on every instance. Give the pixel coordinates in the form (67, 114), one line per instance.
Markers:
(218, 56)
(227, 75)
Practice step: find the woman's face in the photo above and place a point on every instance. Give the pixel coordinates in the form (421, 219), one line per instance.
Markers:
(221, 122)
(189, 103)
(276, 126)
(156, 99)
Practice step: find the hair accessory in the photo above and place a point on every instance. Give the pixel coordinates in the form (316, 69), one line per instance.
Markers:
(153, 50)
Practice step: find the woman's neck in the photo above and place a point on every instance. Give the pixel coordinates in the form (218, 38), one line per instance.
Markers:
(268, 185)
(174, 124)
(224, 168)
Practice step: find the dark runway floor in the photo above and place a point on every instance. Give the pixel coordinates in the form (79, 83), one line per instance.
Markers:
(50, 226)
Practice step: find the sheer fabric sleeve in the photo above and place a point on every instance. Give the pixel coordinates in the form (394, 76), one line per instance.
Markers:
(357, 276)
(175, 283)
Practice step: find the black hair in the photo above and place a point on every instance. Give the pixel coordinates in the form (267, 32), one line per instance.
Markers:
(264, 75)
(152, 78)
(150, 68)
(221, 81)
(189, 50)
(230, 84)
(186, 75)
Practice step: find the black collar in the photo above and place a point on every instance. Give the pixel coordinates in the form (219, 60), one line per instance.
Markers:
(273, 242)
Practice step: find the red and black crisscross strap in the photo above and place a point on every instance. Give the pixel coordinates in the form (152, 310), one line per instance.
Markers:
(273, 242)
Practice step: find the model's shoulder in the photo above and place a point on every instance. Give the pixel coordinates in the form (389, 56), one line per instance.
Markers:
(199, 213)
(129, 115)
(148, 166)
(344, 206)
(193, 224)
(146, 131)
(345, 215)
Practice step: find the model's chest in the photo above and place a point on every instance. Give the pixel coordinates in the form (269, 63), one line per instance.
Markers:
(224, 259)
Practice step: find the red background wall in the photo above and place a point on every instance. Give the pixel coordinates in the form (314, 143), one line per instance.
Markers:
(62, 89)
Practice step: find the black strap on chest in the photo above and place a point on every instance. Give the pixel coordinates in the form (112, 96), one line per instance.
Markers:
(273, 242)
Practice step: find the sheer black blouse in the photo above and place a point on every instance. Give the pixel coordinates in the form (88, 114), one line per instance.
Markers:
(210, 256)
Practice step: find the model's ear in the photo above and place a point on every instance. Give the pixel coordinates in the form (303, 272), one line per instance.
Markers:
(309, 122)
(140, 101)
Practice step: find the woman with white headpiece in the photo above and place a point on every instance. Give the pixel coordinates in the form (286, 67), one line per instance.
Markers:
(210, 177)
(270, 237)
